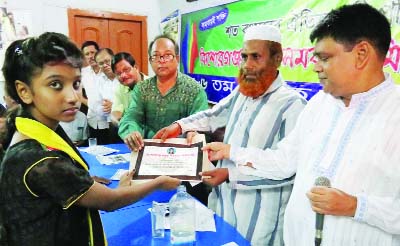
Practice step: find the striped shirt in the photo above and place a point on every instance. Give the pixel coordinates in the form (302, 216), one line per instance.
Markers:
(255, 206)
(357, 148)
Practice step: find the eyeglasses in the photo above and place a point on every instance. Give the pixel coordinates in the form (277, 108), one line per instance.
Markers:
(124, 71)
(106, 61)
(165, 58)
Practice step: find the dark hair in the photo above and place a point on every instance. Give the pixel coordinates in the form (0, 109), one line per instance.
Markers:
(89, 43)
(122, 56)
(351, 24)
(3, 111)
(275, 49)
(108, 50)
(167, 37)
(26, 57)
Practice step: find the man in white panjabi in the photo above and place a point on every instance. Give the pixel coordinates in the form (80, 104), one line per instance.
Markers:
(100, 103)
(260, 112)
(348, 133)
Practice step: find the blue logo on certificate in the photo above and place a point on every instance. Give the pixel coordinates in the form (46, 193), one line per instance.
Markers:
(171, 151)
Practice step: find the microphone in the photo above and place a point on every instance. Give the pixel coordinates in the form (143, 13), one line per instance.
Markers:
(319, 218)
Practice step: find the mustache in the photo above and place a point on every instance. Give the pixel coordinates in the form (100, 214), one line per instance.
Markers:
(243, 74)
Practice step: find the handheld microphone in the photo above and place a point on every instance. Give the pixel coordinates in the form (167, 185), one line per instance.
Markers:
(319, 218)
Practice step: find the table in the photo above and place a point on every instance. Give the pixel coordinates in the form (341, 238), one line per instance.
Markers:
(131, 225)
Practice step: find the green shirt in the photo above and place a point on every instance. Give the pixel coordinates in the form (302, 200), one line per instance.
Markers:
(122, 97)
(149, 111)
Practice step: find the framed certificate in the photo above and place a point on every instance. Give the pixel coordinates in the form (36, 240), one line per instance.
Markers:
(181, 161)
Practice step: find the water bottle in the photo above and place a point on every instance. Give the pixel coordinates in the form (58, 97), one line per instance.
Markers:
(182, 217)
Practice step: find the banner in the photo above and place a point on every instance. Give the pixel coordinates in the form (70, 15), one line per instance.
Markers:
(170, 25)
(211, 41)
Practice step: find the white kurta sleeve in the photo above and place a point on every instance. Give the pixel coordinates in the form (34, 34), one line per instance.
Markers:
(211, 119)
(279, 163)
(382, 212)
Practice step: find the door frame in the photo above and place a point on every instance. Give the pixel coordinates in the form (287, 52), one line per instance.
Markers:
(73, 13)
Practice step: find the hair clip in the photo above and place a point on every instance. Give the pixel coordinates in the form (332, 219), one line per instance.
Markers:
(18, 51)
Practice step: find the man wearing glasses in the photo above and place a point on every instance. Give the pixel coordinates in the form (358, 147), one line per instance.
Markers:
(101, 102)
(162, 99)
(124, 66)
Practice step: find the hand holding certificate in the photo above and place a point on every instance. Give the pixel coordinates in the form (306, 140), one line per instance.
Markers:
(173, 158)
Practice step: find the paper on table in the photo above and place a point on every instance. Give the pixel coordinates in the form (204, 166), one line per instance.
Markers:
(230, 244)
(118, 174)
(204, 218)
(99, 150)
(114, 159)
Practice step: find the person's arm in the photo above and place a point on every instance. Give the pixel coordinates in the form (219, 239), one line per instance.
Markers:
(332, 201)
(107, 105)
(288, 116)
(116, 117)
(378, 211)
(133, 118)
(206, 120)
(199, 103)
(256, 159)
(273, 164)
(101, 197)
(117, 106)
(53, 175)
(131, 125)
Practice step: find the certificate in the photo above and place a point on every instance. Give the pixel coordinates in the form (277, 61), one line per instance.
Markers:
(176, 160)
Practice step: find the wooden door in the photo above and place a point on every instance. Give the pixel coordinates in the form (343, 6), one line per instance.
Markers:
(91, 29)
(125, 36)
(120, 32)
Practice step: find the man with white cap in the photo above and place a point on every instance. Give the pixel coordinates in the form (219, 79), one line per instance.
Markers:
(258, 113)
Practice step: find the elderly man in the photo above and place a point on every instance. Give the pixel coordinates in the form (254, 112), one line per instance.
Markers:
(162, 99)
(124, 67)
(348, 133)
(257, 114)
(100, 103)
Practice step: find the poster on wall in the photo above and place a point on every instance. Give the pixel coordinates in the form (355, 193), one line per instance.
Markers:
(14, 24)
(211, 41)
(170, 25)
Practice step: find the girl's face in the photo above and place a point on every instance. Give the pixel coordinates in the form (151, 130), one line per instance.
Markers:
(54, 94)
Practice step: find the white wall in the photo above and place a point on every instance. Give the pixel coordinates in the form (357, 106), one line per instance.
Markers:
(51, 15)
(168, 6)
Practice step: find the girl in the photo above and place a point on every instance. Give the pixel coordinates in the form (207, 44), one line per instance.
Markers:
(47, 195)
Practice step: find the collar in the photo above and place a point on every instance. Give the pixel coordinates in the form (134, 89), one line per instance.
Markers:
(47, 137)
(387, 84)
(278, 82)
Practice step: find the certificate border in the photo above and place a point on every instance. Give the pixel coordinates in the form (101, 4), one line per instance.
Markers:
(199, 145)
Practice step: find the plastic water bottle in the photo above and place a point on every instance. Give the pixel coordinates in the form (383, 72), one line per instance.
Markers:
(182, 217)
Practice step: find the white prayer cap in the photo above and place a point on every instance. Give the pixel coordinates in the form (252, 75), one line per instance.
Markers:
(262, 32)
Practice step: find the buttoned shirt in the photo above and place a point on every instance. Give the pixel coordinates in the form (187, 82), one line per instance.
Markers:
(122, 96)
(104, 89)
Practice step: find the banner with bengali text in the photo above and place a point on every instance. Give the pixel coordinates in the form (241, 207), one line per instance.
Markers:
(211, 41)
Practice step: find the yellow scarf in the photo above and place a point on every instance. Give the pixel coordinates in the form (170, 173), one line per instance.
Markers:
(47, 137)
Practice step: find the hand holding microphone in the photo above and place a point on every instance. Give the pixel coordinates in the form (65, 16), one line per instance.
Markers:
(319, 218)
(329, 201)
